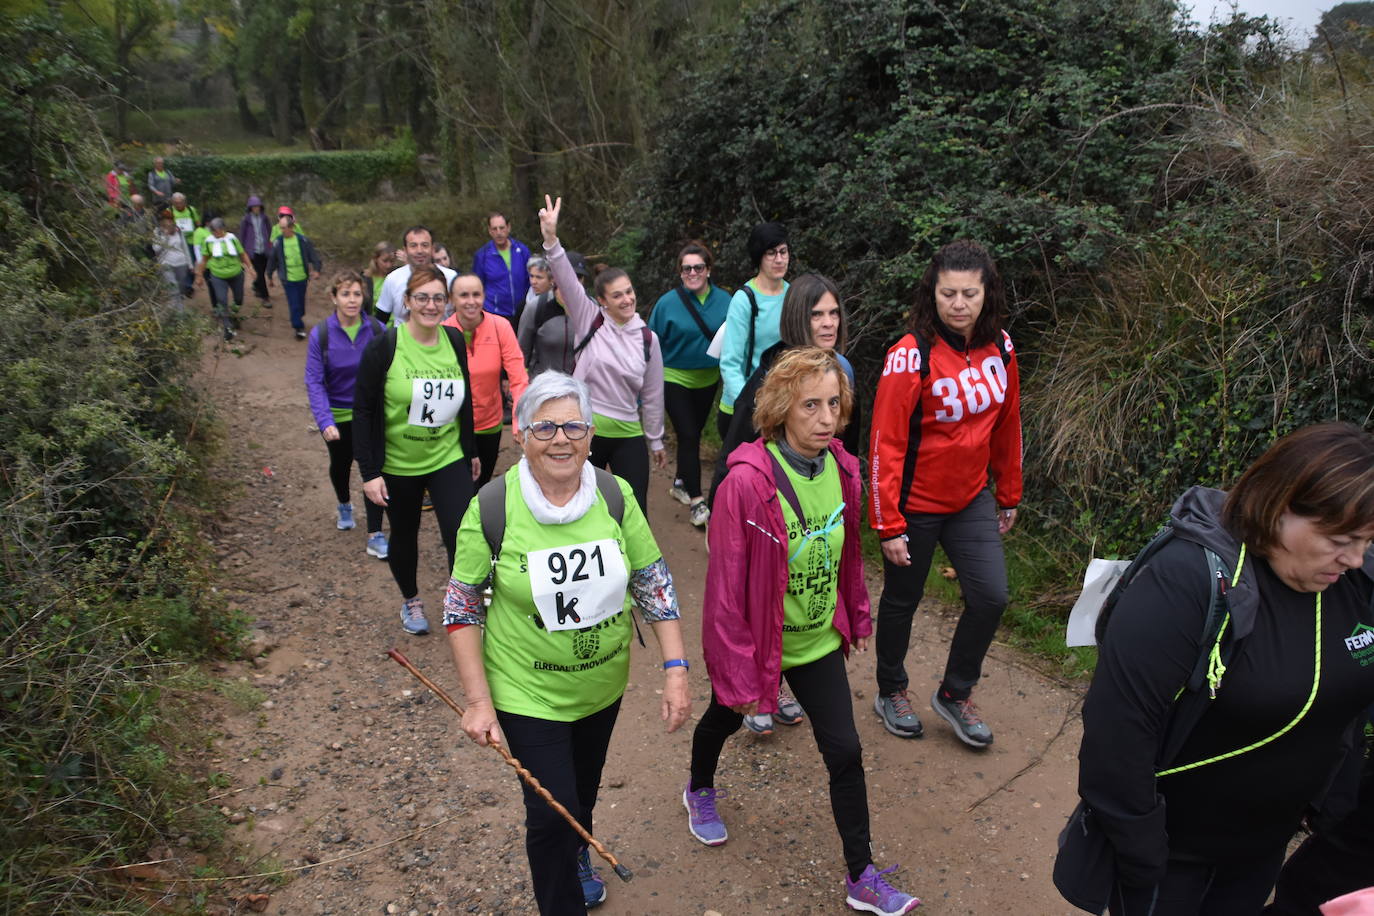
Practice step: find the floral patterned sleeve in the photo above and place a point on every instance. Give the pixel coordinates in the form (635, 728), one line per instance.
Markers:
(652, 589)
(463, 604)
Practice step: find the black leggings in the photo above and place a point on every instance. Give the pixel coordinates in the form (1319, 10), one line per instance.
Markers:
(689, 409)
(822, 688)
(626, 457)
(970, 538)
(1201, 889)
(341, 466)
(450, 489)
(566, 758)
(488, 447)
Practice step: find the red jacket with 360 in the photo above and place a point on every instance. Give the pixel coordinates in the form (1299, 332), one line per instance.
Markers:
(936, 434)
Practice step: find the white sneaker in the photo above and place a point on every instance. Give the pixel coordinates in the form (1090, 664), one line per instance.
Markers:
(700, 514)
(678, 493)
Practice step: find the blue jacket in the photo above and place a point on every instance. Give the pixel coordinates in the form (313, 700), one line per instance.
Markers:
(505, 291)
(276, 261)
(684, 346)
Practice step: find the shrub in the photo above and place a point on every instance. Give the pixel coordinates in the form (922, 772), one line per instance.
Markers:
(102, 439)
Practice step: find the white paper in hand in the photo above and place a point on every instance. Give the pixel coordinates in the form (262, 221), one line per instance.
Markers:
(717, 343)
(1098, 582)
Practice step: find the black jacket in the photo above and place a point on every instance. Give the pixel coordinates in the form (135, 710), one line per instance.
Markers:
(1135, 721)
(369, 415)
(742, 429)
(276, 260)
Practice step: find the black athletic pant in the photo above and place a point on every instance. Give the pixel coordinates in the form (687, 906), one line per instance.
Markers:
(626, 457)
(259, 274)
(723, 421)
(688, 409)
(450, 489)
(974, 547)
(488, 448)
(1334, 861)
(566, 758)
(1201, 889)
(341, 466)
(822, 688)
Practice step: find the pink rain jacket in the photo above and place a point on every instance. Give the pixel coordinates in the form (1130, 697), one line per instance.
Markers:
(746, 578)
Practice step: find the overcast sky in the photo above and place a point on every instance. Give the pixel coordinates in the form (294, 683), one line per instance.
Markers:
(1299, 16)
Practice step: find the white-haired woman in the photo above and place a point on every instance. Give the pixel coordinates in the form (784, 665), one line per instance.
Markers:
(544, 666)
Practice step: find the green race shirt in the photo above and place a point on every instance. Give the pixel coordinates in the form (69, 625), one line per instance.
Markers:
(186, 221)
(342, 414)
(291, 252)
(222, 256)
(505, 256)
(423, 393)
(692, 378)
(612, 428)
(377, 289)
(813, 569)
(491, 430)
(538, 665)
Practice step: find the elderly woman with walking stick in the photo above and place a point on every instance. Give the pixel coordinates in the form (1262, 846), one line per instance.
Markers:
(562, 551)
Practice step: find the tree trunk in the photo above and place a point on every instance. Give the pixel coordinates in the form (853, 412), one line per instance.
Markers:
(248, 121)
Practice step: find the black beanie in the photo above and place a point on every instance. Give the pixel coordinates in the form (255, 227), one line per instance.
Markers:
(763, 237)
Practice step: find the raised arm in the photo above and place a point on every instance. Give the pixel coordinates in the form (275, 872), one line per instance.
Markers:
(582, 309)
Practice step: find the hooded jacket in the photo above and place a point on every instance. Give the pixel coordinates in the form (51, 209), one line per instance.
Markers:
(1135, 705)
(253, 241)
(310, 258)
(620, 380)
(746, 578)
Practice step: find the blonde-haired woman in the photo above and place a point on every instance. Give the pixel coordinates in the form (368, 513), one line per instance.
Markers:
(785, 597)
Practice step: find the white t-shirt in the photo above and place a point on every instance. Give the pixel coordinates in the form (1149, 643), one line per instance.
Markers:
(391, 300)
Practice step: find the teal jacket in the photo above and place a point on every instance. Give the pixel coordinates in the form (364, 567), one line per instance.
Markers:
(684, 346)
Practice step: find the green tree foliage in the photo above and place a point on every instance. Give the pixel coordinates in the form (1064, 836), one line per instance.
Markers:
(1346, 26)
(1118, 167)
(102, 587)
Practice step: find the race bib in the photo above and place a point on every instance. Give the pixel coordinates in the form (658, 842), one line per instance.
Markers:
(580, 585)
(186, 224)
(434, 402)
(220, 247)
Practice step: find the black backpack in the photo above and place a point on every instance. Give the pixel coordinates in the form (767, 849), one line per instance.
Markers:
(321, 332)
(923, 348)
(491, 507)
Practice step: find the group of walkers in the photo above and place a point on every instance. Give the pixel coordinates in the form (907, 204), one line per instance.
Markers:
(1190, 791)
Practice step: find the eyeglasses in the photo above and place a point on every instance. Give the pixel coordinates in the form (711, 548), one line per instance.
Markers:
(545, 430)
(779, 252)
(424, 299)
(694, 268)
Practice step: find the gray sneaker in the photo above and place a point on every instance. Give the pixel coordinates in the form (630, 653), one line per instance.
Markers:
(413, 618)
(897, 715)
(963, 715)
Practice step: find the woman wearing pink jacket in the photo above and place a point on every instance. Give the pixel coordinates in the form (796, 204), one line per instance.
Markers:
(785, 597)
(619, 359)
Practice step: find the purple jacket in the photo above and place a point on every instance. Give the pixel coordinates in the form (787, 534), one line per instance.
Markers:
(746, 578)
(331, 385)
(248, 232)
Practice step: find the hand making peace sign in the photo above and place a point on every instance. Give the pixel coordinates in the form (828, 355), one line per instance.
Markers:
(548, 220)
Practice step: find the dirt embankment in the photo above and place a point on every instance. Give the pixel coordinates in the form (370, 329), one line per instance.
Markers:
(349, 767)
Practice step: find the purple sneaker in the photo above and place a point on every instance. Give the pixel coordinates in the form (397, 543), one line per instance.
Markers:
(702, 818)
(872, 894)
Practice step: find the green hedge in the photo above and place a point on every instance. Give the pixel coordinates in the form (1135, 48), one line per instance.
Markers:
(223, 182)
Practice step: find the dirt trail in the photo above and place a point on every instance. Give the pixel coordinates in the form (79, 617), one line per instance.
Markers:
(349, 763)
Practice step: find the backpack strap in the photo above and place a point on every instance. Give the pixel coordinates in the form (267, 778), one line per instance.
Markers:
(923, 352)
(491, 507)
(785, 488)
(321, 333)
(689, 301)
(597, 322)
(753, 320)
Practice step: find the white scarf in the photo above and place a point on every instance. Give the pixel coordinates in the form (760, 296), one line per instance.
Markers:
(545, 512)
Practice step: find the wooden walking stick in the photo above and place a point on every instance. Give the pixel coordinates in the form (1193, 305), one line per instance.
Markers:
(623, 873)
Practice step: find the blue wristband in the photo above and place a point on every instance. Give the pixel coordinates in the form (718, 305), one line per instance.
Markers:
(676, 663)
